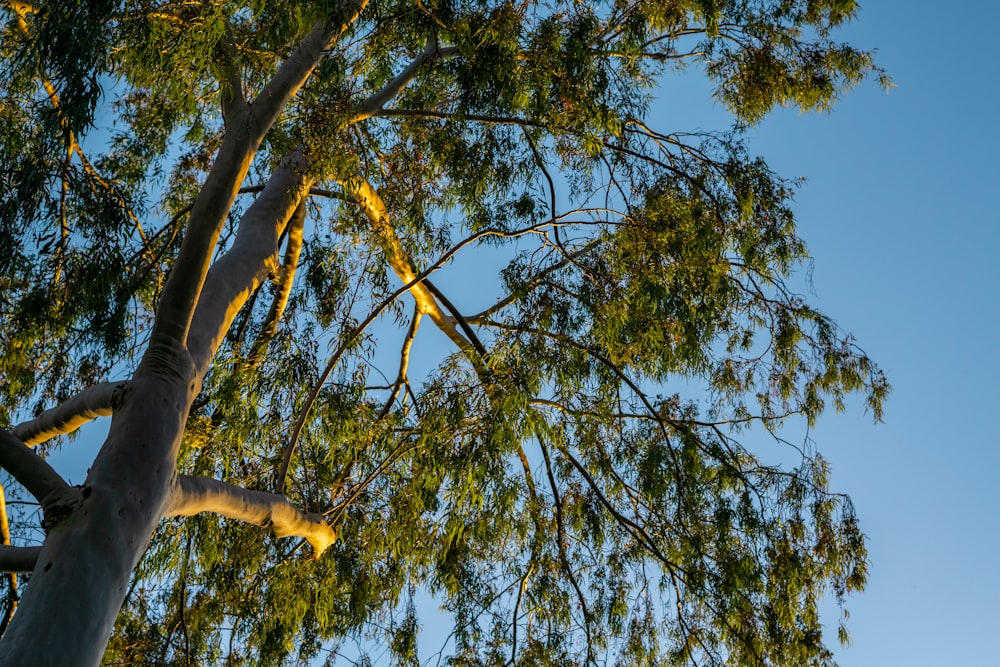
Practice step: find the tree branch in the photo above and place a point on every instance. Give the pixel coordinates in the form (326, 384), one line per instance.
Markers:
(89, 404)
(18, 559)
(208, 214)
(285, 279)
(372, 105)
(31, 471)
(193, 495)
(248, 263)
(374, 209)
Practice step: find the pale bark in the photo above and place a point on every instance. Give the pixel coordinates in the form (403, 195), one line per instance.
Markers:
(89, 404)
(245, 129)
(82, 572)
(194, 495)
(252, 258)
(32, 472)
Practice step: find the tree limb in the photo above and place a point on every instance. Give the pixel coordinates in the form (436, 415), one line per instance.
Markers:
(208, 214)
(251, 259)
(372, 105)
(193, 495)
(31, 471)
(374, 209)
(89, 404)
(286, 276)
(18, 559)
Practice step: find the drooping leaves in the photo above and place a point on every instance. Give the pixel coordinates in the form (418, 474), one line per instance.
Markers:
(589, 489)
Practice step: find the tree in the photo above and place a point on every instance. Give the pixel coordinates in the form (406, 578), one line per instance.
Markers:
(234, 264)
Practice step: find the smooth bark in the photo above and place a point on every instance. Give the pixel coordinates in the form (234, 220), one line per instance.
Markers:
(82, 572)
(246, 127)
(253, 257)
(194, 495)
(31, 471)
(67, 417)
(18, 559)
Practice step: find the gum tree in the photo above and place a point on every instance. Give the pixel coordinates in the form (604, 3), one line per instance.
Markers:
(233, 228)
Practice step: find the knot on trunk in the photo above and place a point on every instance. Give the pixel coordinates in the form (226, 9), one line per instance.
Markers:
(60, 503)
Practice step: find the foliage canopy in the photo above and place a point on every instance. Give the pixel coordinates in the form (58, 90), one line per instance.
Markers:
(562, 470)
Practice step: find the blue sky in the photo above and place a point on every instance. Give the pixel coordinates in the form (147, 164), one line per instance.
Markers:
(900, 215)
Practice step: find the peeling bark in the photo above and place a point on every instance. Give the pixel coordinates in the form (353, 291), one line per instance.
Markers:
(193, 495)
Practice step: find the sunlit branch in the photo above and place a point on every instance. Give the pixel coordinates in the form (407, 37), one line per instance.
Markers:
(374, 209)
(285, 278)
(458, 317)
(352, 336)
(215, 199)
(194, 495)
(89, 404)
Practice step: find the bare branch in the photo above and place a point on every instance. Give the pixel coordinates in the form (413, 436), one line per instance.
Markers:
(208, 214)
(18, 559)
(38, 477)
(193, 495)
(253, 257)
(89, 404)
(372, 105)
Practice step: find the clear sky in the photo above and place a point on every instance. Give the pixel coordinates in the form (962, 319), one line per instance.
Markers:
(901, 216)
(899, 212)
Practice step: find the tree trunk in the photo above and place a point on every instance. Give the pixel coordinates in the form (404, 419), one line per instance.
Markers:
(77, 588)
